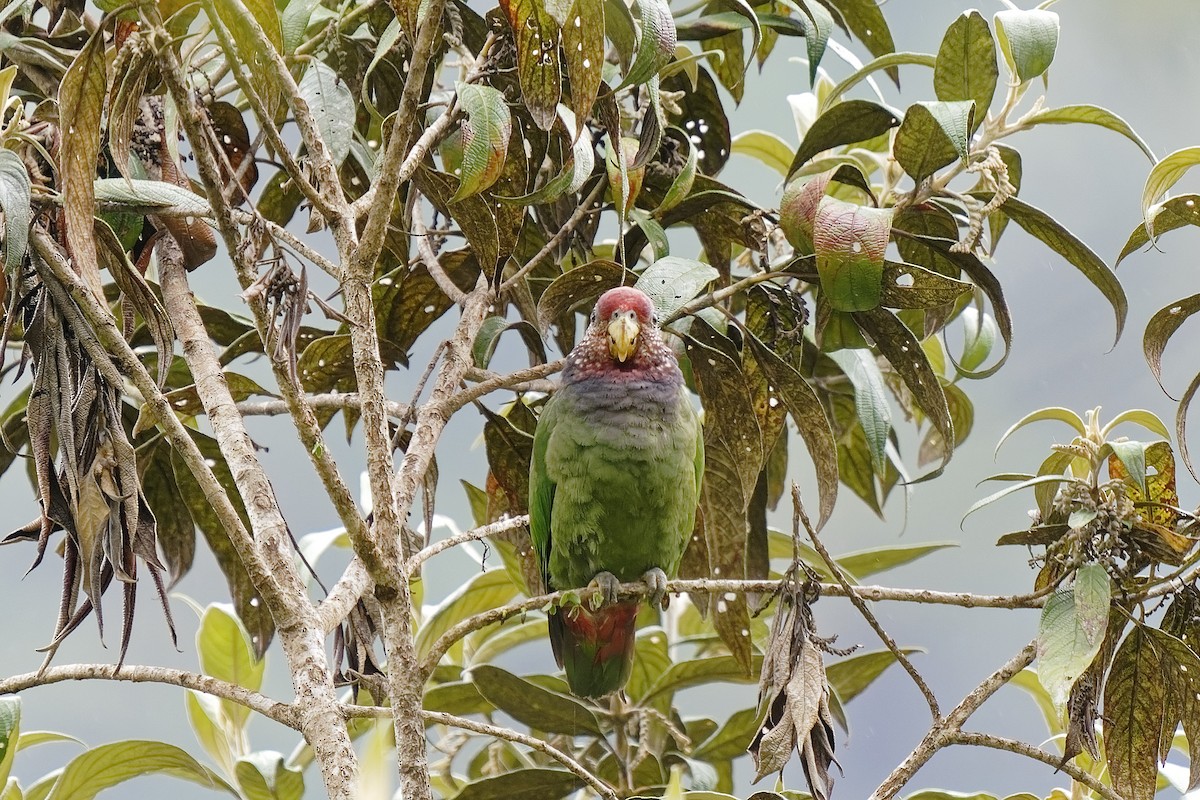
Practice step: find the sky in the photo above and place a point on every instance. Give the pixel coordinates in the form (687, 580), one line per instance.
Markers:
(1138, 60)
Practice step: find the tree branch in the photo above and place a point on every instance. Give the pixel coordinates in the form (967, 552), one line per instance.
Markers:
(489, 382)
(837, 572)
(328, 401)
(584, 210)
(282, 713)
(943, 732)
(1037, 754)
(475, 534)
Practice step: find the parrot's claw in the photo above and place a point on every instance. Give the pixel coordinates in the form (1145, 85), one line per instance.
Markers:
(607, 586)
(656, 581)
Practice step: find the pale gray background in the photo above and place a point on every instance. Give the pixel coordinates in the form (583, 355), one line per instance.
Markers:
(1138, 59)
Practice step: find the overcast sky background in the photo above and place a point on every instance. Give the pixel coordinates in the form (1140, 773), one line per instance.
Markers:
(1137, 59)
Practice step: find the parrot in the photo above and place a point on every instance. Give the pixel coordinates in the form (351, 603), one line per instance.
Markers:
(618, 456)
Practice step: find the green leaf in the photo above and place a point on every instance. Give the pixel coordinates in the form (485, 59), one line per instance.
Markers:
(538, 69)
(502, 638)
(148, 196)
(1133, 457)
(485, 135)
(1175, 212)
(483, 591)
(1044, 227)
(10, 731)
(264, 15)
(332, 106)
(1162, 177)
(1071, 631)
(15, 199)
(889, 61)
(530, 704)
(656, 43)
(34, 738)
(1027, 680)
(1138, 416)
(1064, 415)
(527, 784)
(204, 714)
(263, 775)
(1091, 115)
(850, 241)
(697, 671)
(226, 654)
(870, 400)
(1135, 711)
(766, 147)
(731, 739)
(110, 764)
(673, 282)
(1161, 327)
(865, 20)
(845, 123)
(293, 23)
(933, 135)
(966, 64)
(1034, 481)
(583, 46)
(809, 415)
(864, 563)
(910, 286)
(682, 184)
(1028, 40)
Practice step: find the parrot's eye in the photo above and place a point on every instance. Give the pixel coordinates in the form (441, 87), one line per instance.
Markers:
(654, 319)
(615, 314)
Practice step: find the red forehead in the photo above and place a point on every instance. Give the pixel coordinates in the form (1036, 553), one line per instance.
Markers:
(625, 298)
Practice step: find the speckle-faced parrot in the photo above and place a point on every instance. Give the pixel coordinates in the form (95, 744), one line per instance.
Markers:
(615, 477)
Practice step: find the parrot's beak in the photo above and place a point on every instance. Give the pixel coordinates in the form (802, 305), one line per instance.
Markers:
(622, 336)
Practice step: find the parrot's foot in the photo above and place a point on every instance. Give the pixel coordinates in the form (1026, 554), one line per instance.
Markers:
(656, 580)
(607, 586)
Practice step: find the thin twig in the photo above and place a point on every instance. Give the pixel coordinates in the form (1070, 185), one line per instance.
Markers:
(584, 210)
(1037, 754)
(429, 257)
(942, 732)
(865, 610)
(521, 380)
(282, 713)
(712, 298)
(475, 534)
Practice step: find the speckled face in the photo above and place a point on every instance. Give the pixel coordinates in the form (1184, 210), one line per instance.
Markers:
(623, 298)
(621, 316)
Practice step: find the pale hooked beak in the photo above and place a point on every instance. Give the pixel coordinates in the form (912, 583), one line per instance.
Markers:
(622, 336)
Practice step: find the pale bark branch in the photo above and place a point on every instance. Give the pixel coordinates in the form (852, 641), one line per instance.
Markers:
(528, 379)
(282, 713)
(1037, 754)
(585, 209)
(943, 731)
(429, 258)
(475, 534)
(325, 401)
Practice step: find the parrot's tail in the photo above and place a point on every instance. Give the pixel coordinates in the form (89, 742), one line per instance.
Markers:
(595, 648)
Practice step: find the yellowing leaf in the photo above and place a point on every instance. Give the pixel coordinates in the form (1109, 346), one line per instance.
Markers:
(485, 135)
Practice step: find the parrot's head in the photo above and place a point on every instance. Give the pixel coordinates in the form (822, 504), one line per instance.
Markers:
(623, 316)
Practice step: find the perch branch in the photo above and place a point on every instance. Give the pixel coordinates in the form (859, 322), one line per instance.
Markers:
(1037, 754)
(272, 709)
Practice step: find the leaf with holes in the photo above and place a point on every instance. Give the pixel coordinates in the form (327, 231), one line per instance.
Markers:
(1173, 213)
(933, 135)
(15, 198)
(1162, 177)
(845, 123)
(583, 50)
(1028, 40)
(702, 117)
(672, 283)
(908, 286)
(850, 242)
(332, 105)
(538, 68)
(485, 134)
(966, 66)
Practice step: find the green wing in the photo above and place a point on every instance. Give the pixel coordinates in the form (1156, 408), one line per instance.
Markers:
(541, 491)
